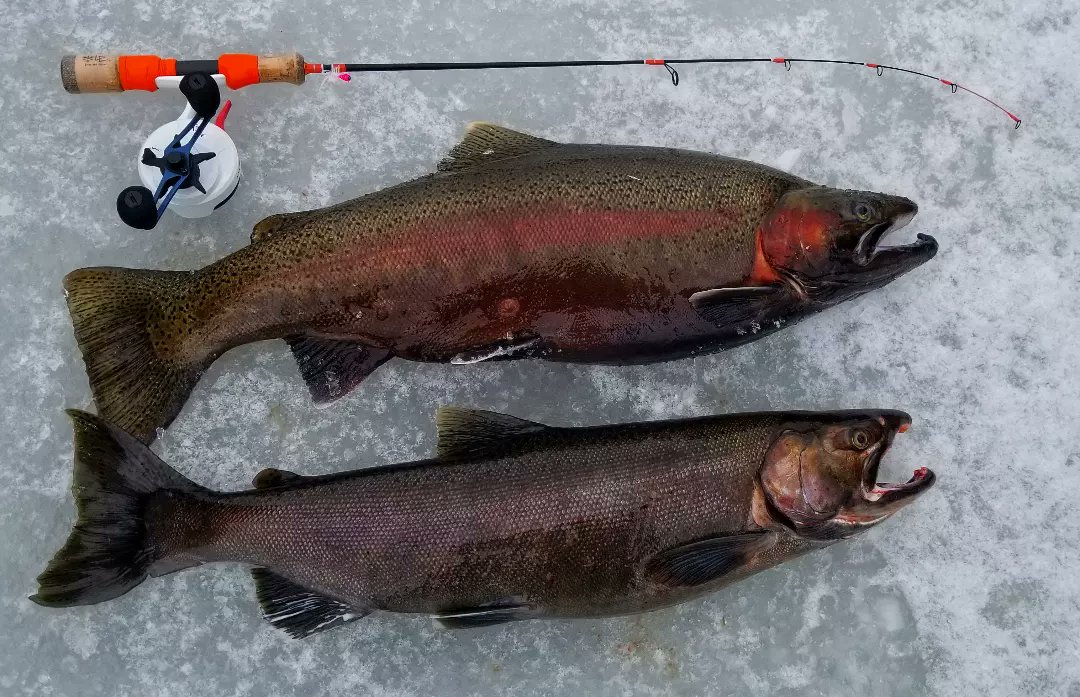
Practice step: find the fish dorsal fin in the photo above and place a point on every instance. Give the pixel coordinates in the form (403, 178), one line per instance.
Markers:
(469, 432)
(485, 142)
(299, 611)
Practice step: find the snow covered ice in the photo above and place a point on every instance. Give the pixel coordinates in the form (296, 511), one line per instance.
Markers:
(971, 591)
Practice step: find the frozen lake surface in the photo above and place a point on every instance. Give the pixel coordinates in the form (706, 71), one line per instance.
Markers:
(971, 591)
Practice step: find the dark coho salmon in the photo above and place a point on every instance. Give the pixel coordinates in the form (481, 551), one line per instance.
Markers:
(518, 247)
(513, 520)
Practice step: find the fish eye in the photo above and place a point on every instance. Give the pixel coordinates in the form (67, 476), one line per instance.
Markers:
(859, 438)
(864, 212)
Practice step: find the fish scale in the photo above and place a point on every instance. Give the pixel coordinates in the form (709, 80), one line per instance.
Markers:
(562, 516)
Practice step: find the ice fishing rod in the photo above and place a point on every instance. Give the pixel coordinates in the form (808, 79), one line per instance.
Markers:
(110, 73)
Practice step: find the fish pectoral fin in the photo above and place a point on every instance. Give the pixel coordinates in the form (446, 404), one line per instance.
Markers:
(485, 142)
(332, 368)
(468, 432)
(738, 308)
(271, 477)
(299, 611)
(706, 560)
(470, 617)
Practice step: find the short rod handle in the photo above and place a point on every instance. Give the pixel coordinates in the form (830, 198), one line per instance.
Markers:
(91, 73)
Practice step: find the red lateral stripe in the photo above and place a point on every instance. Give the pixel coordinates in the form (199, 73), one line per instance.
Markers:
(482, 239)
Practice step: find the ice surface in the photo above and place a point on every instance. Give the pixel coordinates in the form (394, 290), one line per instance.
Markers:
(972, 591)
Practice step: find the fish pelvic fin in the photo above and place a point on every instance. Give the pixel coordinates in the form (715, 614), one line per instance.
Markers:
(485, 143)
(109, 550)
(111, 310)
(485, 616)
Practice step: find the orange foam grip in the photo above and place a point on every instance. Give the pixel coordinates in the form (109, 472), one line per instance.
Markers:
(239, 69)
(142, 72)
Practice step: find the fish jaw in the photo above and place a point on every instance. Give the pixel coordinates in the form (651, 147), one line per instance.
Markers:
(822, 487)
(879, 500)
(826, 244)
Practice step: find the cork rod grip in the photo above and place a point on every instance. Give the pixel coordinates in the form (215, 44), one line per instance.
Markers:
(286, 67)
(91, 73)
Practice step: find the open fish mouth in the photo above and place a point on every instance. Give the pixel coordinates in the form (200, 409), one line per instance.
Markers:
(875, 501)
(886, 497)
(871, 244)
(871, 263)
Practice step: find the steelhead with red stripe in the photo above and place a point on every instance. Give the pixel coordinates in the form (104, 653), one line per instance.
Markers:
(517, 247)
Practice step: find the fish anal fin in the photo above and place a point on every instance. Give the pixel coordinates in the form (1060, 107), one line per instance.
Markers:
(743, 309)
(485, 616)
(706, 560)
(271, 477)
(299, 611)
(332, 368)
(485, 142)
(469, 432)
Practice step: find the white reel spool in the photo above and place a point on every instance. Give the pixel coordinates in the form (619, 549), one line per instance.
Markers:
(219, 176)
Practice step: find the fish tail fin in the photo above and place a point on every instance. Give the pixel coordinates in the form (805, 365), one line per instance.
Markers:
(110, 549)
(113, 311)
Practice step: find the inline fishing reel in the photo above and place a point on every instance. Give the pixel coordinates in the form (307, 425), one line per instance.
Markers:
(189, 166)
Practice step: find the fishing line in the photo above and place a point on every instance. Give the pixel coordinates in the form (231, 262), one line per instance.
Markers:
(669, 63)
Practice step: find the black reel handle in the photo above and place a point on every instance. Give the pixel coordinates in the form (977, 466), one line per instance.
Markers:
(137, 207)
(202, 93)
